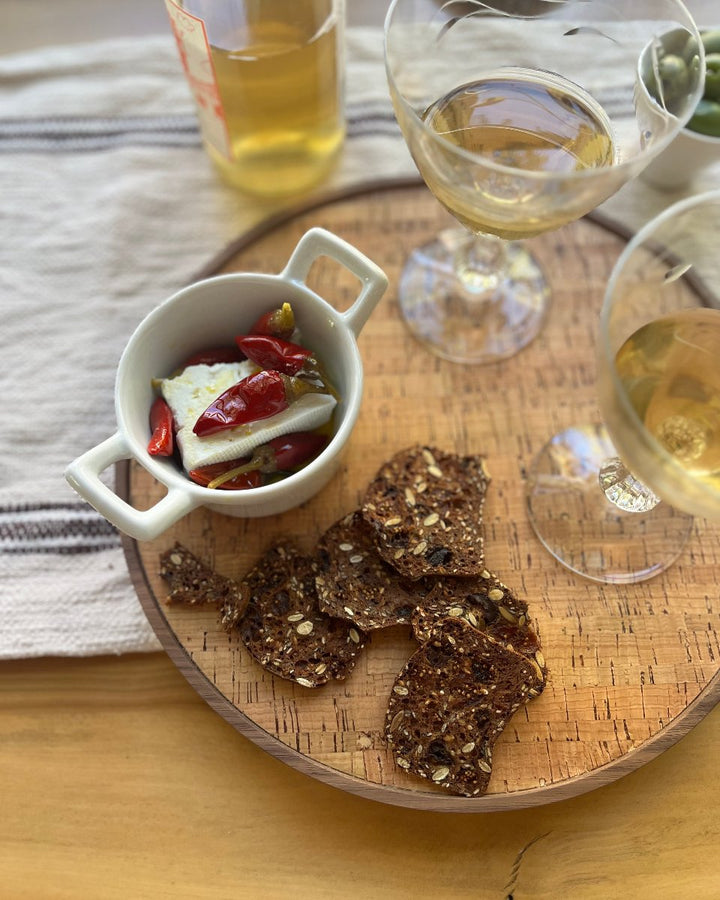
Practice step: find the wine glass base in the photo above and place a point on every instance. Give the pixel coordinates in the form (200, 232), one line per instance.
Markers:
(582, 529)
(469, 323)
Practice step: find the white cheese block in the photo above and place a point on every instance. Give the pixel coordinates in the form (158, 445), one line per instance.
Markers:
(190, 393)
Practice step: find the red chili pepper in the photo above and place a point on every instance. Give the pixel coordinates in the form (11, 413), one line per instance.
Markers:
(274, 353)
(278, 322)
(257, 396)
(214, 355)
(281, 454)
(292, 450)
(223, 475)
(162, 426)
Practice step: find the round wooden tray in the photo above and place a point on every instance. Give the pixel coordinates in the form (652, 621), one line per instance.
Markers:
(632, 668)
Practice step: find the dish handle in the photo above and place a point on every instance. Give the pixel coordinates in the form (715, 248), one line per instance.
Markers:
(318, 242)
(83, 475)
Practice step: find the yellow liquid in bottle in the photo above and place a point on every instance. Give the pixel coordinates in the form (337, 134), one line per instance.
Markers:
(280, 85)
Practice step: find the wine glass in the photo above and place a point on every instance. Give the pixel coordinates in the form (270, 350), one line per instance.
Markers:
(615, 502)
(521, 116)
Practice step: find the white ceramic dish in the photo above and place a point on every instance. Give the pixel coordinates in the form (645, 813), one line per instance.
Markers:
(689, 152)
(209, 313)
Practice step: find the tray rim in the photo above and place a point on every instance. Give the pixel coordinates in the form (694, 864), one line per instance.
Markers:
(606, 774)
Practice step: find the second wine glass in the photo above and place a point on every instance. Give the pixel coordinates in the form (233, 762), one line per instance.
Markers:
(615, 502)
(521, 117)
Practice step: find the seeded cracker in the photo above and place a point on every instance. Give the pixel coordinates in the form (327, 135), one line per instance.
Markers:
(485, 603)
(283, 627)
(451, 702)
(425, 507)
(191, 581)
(354, 583)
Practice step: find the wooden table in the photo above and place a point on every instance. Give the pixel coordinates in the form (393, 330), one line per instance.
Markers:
(154, 795)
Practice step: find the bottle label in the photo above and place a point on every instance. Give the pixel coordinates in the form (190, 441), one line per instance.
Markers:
(194, 49)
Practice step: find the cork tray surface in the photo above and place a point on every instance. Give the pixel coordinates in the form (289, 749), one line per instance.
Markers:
(631, 668)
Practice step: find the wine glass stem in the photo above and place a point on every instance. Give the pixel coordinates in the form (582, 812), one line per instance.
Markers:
(623, 489)
(480, 261)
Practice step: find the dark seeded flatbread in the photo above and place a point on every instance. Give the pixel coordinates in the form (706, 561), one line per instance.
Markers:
(425, 507)
(485, 603)
(283, 627)
(482, 600)
(451, 702)
(354, 583)
(190, 581)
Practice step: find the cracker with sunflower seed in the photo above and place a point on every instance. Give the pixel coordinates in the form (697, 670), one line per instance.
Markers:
(425, 507)
(194, 583)
(486, 603)
(283, 627)
(451, 702)
(354, 583)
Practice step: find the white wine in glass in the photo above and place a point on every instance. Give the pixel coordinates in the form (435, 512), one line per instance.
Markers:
(670, 372)
(616, 502)
(521, 117)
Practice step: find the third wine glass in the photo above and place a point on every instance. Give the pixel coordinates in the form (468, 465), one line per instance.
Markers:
(615, 502)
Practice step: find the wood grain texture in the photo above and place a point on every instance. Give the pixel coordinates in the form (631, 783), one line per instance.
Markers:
(118, 781)
(632, 668)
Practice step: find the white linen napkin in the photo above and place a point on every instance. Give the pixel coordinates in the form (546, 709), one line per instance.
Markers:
(109, 205)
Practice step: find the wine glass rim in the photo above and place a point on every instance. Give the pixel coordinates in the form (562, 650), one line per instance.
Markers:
(645, 155)
(637, 240)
